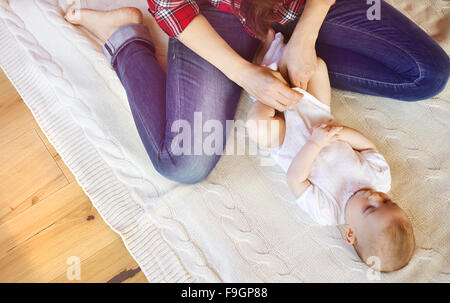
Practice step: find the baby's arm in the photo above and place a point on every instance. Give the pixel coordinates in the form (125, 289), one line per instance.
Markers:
(264, 126)
(300, 168)
(298, 173)
(356, 140)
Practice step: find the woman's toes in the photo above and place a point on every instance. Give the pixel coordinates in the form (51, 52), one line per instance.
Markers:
(103, 23)
(73, 14)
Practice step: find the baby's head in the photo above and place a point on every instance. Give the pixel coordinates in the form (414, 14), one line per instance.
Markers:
(378, 227)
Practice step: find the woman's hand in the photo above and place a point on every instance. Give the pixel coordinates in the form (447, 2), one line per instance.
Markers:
(299, 61)
(267, 86)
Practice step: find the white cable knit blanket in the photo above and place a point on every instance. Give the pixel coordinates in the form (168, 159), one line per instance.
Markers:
(240, 224)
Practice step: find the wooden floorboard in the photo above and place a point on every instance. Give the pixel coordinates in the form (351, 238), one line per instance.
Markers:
(47, 223)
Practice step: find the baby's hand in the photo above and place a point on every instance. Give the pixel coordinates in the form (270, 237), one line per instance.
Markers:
(325, 134)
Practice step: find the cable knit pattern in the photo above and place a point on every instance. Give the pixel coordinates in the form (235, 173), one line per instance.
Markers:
(241, 224)
(175, 233)
(84, 45)
(250, 245)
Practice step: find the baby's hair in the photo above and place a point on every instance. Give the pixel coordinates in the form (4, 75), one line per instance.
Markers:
(394, 246)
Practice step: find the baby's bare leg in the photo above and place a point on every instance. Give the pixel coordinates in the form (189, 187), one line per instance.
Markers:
(319, 85)
(264, 126)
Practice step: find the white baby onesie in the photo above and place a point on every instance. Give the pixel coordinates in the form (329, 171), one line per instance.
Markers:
(338, 171)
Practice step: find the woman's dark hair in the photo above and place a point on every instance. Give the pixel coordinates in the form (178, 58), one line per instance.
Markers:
(258, 14)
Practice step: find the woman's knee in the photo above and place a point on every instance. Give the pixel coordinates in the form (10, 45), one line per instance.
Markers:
(433, 69)
(432, 80)
(436, 78)
(187, 169)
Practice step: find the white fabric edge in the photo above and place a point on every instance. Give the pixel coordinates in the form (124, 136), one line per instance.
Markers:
(313, 99)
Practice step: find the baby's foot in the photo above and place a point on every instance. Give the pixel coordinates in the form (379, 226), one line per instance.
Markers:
(103, 23)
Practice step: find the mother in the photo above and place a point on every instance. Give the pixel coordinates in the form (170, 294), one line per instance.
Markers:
(213, 42)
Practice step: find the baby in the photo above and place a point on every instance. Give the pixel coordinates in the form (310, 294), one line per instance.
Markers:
(335, 173)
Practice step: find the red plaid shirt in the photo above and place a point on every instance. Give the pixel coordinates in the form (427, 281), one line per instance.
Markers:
(173, 16)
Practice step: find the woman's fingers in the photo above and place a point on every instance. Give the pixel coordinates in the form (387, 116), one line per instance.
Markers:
(278, 101)
(286, 91)
(280, 106)
(287, 95)
(273, 102)
(273, 90)
(301, 79)
(277, 105)
(291, 95)
(285, 101)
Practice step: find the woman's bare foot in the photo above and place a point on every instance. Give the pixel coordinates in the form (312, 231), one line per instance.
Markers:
(103, 23)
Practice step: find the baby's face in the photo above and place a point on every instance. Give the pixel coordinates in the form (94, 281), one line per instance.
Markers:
(369, 211)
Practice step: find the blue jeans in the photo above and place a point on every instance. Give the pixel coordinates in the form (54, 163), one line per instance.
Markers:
(390, 58)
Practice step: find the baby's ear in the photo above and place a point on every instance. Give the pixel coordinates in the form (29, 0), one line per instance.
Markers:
(350, 237)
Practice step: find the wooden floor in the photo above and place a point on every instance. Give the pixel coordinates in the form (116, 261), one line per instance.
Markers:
(47, 223)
